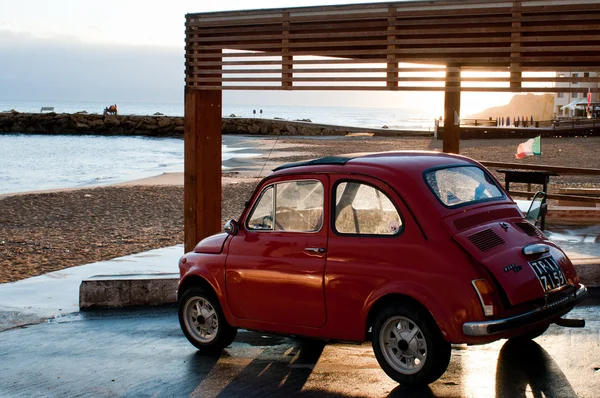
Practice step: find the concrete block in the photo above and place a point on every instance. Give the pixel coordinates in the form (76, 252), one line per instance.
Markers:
(109, 291)
(589, 274)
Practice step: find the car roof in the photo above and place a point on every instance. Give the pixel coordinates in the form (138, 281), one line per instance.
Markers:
(417, 161)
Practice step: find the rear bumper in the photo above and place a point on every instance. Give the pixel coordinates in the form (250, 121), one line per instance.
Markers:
(558, 308)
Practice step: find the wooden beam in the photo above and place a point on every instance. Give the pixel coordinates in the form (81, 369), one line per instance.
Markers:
(452, 107)
(554, 169)
(202, 170)
(577, 198)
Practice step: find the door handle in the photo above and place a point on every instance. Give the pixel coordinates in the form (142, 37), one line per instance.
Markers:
(318, 250)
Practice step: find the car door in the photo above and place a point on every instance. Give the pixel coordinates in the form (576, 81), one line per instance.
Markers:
(373, 242)
(276, 263)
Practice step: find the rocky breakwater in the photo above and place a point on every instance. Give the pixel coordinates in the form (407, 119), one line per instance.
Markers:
(92, 124)
(171, 126)
(239, 125)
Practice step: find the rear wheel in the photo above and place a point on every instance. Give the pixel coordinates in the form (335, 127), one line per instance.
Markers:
(203, 322)
(409, 346)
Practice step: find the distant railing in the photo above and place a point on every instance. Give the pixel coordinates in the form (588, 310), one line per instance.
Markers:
(553, 123)
(576, 121)
(479, 122)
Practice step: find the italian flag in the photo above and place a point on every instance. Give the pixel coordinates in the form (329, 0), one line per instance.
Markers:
(530, 147)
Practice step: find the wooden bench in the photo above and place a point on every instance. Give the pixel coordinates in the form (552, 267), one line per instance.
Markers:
(587, 192)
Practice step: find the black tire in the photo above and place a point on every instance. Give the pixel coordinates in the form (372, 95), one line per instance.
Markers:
(532, 334)
(218, 334)
(426, 341)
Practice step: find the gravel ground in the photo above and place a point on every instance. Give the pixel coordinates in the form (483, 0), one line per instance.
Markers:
(46, 232)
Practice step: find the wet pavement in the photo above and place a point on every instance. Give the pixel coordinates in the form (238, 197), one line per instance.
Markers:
(142, 352)
(580, 239)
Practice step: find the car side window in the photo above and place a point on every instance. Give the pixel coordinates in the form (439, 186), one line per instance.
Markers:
(294, 206)
(299, 206)
(365, 210)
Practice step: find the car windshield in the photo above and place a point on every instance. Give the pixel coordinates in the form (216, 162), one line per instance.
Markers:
(456, 186)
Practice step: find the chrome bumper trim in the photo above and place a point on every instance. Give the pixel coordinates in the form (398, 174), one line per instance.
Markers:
(507, 324)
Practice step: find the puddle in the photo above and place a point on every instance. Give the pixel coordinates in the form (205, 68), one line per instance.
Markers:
(584, 239)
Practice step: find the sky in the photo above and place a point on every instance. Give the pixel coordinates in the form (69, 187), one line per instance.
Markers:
(133, 51)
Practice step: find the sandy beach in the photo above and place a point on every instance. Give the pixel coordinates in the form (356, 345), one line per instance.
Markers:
(52, 230)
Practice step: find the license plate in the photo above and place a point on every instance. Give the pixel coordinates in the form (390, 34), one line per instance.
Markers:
(549, 273)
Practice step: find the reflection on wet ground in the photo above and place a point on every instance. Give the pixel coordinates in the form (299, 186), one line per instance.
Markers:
(142, 352)
(580, 239)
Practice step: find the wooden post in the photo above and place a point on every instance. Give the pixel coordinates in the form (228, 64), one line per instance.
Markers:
(452, 106)
(392, 62)
(515, 47)
(202, 173)
(287, 60)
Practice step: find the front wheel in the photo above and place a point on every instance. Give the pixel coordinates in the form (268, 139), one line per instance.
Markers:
(203, 322)
(409, 346)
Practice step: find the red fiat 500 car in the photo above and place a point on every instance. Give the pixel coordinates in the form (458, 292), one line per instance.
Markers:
(414, 250)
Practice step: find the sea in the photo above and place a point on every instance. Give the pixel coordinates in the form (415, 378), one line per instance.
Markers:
(31, 162)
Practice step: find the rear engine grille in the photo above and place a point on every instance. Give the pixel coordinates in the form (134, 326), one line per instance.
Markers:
(486, 240)
(484, 217)
(529, 229)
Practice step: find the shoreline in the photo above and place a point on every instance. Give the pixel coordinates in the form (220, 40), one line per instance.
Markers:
(272, 151)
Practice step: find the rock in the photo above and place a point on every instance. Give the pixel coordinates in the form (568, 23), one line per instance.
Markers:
(148, 126)
(164, 122)
(232, 115)
(96, 124)
(304, 120)
(385, 126)
(111, 120)
(254, 129)
(82, 126)
(158, 114)
(291, 129)
(81, 113)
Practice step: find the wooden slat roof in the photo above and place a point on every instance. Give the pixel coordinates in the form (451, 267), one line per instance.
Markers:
(396, 46)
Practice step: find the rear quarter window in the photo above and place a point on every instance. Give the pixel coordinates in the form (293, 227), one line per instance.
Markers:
(462, 185)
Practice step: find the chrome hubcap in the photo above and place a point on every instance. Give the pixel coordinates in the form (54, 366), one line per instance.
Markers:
(201, 319)
(403, 345)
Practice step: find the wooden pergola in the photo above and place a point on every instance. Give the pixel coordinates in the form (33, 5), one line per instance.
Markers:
(400, 46)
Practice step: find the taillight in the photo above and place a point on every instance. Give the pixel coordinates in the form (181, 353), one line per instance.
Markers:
(484, 291)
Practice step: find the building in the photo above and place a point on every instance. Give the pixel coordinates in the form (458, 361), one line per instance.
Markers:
(566, 104)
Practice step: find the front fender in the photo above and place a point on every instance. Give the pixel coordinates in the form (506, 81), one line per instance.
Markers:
(206, 270)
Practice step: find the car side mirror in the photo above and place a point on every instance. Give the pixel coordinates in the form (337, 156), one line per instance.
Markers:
(231, 227)
(537, 208)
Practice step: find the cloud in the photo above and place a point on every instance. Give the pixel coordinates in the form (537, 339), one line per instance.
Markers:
(68, 70)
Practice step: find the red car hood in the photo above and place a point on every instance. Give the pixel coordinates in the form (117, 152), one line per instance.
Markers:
(498, 246)
(212, 245)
